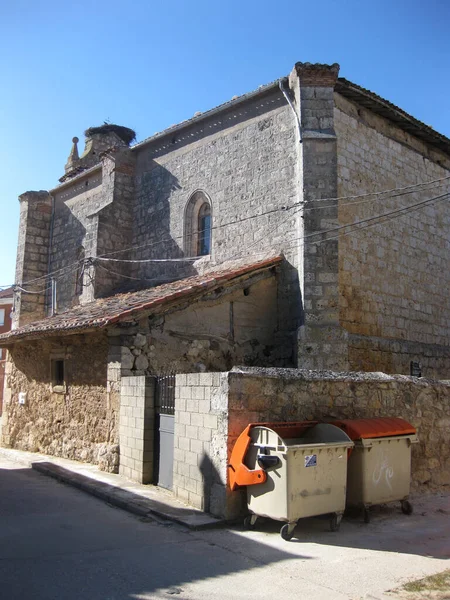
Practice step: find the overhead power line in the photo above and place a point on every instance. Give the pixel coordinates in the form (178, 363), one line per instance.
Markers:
(404, 191)
(62, 272)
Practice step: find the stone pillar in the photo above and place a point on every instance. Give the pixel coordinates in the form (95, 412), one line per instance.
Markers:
(136, 428)
(322, 342)
(32, 256)
(200, 441)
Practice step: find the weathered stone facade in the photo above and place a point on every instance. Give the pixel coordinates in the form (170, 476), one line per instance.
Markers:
(273, 164)
(393, 277)
(79, 420)
(287, 169)
(212, 334)
(214, 408)
(106, 397)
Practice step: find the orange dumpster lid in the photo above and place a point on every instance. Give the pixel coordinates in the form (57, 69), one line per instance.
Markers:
(371, 428)
(288, 430)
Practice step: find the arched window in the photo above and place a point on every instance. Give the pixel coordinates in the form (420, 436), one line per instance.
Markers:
(198, 225)
(204, 230)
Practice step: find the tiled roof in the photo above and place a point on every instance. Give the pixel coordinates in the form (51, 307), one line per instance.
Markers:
(106, 311)
(386, 109)
(344, 87)
(7, 293)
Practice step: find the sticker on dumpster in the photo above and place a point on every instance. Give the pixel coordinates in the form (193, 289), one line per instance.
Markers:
(311, 460)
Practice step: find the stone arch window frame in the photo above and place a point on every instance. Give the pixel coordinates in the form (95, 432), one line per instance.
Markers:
(192, 213)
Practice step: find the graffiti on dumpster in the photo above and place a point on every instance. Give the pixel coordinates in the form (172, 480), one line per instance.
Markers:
(383, 471)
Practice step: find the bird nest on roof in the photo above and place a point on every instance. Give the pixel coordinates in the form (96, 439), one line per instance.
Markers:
(126, 134)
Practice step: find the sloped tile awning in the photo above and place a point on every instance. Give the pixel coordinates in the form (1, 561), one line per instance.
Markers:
(122, 307)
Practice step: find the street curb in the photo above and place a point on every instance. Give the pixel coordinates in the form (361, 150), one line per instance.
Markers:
(116, 496)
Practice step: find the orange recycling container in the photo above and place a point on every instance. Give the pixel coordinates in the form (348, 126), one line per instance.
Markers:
(291, 471)
(379, 468)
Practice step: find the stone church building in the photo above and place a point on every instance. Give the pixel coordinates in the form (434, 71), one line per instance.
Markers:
(302, 225)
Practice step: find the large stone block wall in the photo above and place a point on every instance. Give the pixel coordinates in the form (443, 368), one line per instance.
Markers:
(252, 395)
(322, 341)
(393, 277)
(258, 395)
(136, 429)
(32, 256)
(200, 441)
(81, 422)
(245, 159)
(75, 234)
(114, 237)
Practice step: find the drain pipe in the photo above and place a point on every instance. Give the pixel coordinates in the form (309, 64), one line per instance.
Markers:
(289, 101)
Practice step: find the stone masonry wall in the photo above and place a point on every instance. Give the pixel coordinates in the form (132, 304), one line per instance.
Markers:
(200, 441)
(32, 256)
(74, 233)
(393, 277)
(211, 334)
(252, 395)
(80, 422)
(245, 160)
(115, 220)
(322, 340)
(264, 395)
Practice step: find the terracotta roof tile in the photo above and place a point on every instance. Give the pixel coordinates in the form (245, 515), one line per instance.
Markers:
(390, 111)
(106, 311)
(7, 293)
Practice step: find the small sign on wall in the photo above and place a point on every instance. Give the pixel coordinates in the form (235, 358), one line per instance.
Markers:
(22, 397)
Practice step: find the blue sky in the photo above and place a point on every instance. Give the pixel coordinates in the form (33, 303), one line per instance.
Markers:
(149, 64)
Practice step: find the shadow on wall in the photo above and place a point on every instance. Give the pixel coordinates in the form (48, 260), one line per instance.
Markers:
(66, 247)
(158, 234)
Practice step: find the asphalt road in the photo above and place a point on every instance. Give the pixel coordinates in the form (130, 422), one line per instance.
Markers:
(57, 543)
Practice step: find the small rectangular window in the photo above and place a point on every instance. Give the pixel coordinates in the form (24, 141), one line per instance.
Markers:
(2, 316)
(58, 375)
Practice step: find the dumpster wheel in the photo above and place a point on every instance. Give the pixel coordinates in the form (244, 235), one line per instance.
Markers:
(335, 522)
(250, 522)
(407, 508)
(287, 531)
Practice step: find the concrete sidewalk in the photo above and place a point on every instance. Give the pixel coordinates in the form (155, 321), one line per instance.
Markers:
(143, 500)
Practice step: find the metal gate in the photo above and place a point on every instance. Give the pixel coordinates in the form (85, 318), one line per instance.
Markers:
(164, 434)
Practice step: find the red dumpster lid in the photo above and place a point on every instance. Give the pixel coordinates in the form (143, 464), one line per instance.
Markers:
(288, 430)
(372, 428)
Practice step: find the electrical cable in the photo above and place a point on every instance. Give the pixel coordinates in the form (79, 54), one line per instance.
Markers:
(283, 208)
(406, 189)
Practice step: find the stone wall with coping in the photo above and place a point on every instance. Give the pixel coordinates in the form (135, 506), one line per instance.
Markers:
(393, 277)
(136, 428)
(253, 395)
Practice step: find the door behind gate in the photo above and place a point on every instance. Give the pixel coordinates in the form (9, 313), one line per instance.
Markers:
(165, 422)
